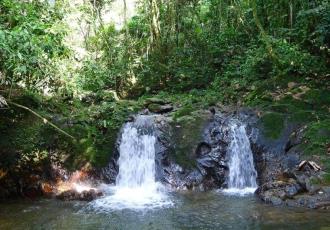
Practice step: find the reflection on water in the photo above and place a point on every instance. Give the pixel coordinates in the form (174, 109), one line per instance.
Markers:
(190, 211)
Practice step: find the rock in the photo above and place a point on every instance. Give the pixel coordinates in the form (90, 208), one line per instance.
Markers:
(203, 149)
(153, 100)
(311, 187)
(301, 179)
(326, 189)
(157, 108)
(191, 154)
(130, 119)
(275, 201)
(292, 190)
(278, 190)
(212, 110)
(87, 195)
(292, 85)
(47, 189)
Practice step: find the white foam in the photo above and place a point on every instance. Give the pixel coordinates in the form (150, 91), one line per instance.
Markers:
(239, 191)
(118, 198)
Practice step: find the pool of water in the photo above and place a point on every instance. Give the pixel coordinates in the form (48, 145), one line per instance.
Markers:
(211, 210)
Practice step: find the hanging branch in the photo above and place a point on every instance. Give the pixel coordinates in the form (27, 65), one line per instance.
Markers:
(42, 118)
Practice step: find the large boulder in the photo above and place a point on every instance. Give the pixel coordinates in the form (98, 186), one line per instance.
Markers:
(191, 151)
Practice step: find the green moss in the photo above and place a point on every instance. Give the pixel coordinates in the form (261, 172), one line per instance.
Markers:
(184, 111)
(317, 97)
(317, 137)
(294, 103)
(315, 145)
(186, 135)
(302, 117)
(154, 107)
(154, 100)
(280, 108)
(21, 135)
(273, 124)
(326, 179)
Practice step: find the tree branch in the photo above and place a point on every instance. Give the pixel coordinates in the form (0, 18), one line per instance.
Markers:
(42, 118)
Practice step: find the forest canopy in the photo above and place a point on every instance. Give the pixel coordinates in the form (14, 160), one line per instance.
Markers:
(96, 62)
(168, 45)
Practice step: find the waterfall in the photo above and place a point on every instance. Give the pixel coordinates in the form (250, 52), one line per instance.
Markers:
(136, 187)
(137, 159)
(242, 174)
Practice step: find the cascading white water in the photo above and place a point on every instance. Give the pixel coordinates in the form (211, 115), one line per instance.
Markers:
(137, 159)
(136, 186)
(242, 174)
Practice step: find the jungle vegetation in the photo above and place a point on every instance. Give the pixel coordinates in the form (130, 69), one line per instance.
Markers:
(267, 54)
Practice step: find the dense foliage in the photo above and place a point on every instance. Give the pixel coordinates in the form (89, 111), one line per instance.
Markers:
(31, 40)
(274, 55)
(179, 45)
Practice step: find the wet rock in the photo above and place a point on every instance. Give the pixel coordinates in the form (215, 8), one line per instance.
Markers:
(311, 187)
(48, 189)
(272, 191)
(87, 195)
(203, 149)
(107, 174)
(326, 189)
(275, 200)
(292, 190)
(191, 154)
(206, 162)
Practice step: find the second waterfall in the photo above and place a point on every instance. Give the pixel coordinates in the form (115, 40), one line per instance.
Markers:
(242, 177)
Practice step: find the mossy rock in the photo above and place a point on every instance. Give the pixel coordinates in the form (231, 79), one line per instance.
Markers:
(317, 97)
(154, 100)
(302, 117)
(187, 134)
(156, 108)
(183, 111)
(326, 179)
(272, 124)
(317, 138)
(315, 146)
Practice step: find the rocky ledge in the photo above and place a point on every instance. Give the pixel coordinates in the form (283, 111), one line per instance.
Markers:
(191, 154)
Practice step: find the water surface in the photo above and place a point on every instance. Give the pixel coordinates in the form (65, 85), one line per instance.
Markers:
(211, 210)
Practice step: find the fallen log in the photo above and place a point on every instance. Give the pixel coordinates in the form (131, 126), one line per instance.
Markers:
(311, 164)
